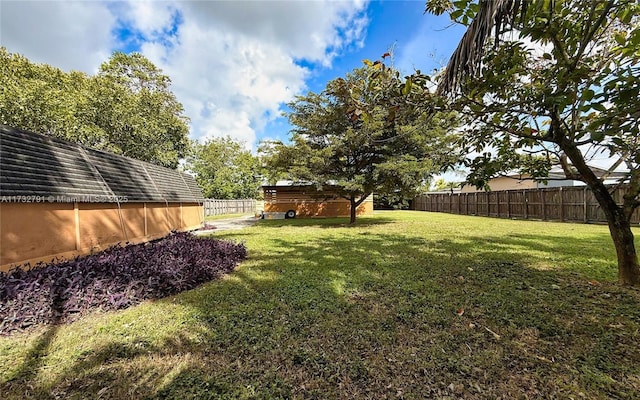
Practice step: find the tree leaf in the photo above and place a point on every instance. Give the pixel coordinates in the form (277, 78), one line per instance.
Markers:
(407, 87)
(587, 95)
(456, 14)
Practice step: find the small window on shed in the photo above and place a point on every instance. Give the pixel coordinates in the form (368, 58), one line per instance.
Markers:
(270, 195)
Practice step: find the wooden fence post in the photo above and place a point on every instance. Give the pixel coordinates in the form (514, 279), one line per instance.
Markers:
(586, 204)
(466, 203)
(487, 195)
(476, 198)
(561, 204)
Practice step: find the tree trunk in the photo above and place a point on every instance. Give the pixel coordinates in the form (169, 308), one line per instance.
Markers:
(354, 204)
(619, 223)
(353, 208)
(623, 240)
(620, 229)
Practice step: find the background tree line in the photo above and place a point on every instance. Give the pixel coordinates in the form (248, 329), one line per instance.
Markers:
(126, 108)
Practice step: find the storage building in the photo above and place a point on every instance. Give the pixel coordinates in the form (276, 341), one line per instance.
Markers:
(310, 201)
(59, 199)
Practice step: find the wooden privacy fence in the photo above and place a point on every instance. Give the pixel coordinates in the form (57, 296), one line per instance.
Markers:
(219, 207)
(572, 204)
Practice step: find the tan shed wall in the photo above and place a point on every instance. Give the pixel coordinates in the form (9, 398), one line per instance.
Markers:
(174, 217)
(32, 232)
(318, 209)
(156, 219)
(50, 229)
(311, 205)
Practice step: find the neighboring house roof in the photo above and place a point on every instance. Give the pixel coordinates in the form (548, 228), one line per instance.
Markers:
(556, 172)
(283, 184)
(286, 183)
(556, 178)
(37, 165)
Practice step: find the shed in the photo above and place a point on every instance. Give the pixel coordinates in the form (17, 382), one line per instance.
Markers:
(310, 201)
(59, 199)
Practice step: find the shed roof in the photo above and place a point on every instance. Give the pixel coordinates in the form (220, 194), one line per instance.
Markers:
(37, 165)
(295, 184)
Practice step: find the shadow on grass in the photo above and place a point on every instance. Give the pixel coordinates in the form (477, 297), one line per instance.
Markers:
(33, 361)
(35, 357)
(342, 222)
(376, 314)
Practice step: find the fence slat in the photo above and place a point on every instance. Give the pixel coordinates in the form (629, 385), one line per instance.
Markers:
(571, 204)
(220, 207)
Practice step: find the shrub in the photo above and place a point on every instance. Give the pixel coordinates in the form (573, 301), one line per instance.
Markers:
(112, 279)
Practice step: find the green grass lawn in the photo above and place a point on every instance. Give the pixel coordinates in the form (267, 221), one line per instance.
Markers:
(404, 305)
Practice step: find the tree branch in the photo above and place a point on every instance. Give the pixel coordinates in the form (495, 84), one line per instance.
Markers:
(363, 197)
(566, 168)
(594, 28)
(615, 165)
(631, 201)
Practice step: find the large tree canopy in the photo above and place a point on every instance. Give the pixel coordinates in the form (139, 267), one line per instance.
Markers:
(543, 82)
(127, 108)
(225, 169)
(354, 137)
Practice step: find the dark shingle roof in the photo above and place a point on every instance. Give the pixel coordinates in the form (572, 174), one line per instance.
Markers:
(36, 165)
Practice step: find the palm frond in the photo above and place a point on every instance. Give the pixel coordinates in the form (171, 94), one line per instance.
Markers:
(492, 18)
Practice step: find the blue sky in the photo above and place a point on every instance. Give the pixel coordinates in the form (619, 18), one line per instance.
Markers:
(233, 64)
(419, 41)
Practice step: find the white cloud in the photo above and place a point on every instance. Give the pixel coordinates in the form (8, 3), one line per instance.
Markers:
(68, 35)
(229, 85)
(152, 19)
(310, 30)
(232, 64)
